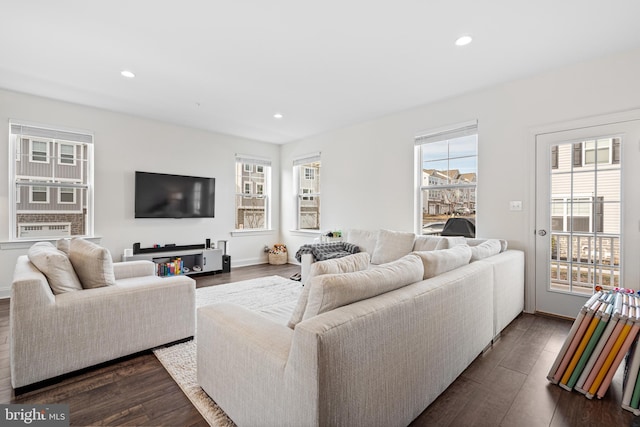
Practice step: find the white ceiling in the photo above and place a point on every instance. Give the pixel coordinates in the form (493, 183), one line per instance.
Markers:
(228, 66)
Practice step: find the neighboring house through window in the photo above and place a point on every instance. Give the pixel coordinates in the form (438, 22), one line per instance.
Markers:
(447, 170)
(306, 172)
(253, 193)
(51, 171)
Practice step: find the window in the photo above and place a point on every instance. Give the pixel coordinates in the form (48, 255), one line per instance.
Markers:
(39, 195)
(49, 193)
(309, 174)
(67, 195)
(39, 151)
(582, 214)
(447, 170)
(307, 191)
(306, 172)
(67, 154)
(588, 153)
(252, 208)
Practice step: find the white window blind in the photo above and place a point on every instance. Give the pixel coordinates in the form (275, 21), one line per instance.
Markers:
(448, 132)
(42, 132)
(252, 160)
(310, 158)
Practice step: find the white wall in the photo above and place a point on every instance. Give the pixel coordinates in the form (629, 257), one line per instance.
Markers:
(124, 144)
(368, 169)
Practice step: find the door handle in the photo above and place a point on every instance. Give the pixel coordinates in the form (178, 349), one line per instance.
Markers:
(542, 232)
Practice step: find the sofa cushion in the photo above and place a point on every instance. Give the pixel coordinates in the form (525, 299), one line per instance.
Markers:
(347, 264)
(485, 249)
(364, 239)
(392, 245)
(92, 263)
(429, 243)
(63, 245)
(330, 291)
(438, 262)
(55, 265)
(475, 242)
(453, 241)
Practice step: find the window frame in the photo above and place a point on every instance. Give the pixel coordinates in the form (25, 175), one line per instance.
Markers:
(59, 145)
(246, 188)
(252, 173)
(309, 174)
(71, 190)
(46, 192)
(596, 149)
(302, 171)
(427, 189)
(22, 208)
(47, 154)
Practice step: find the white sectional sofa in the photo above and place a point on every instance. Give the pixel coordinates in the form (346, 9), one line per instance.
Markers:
(57, 327)
(385, 245)
(367, 344)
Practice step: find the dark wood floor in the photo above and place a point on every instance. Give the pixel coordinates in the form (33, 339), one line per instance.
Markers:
(506, 386)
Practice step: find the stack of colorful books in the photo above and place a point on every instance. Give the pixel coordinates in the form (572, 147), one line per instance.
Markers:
(601, 336)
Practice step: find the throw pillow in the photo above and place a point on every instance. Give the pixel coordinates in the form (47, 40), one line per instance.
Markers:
(63, 245)
(92, 263)
(347, 264)
(392, 245)
(429, 243)
(330, 291)
(475, 242)
(485, 249)
(364, 239)
(55, 265)
(438, 262)
(452, 241)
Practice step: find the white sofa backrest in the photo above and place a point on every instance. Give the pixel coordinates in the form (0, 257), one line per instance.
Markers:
(365, 239)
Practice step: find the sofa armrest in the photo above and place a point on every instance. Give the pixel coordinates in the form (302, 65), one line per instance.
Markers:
(30, 288)
(125, 270)
(241, 360)
(508, 287)
(250, 333)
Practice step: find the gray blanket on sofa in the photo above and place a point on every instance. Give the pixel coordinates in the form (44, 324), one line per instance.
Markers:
(322, 251)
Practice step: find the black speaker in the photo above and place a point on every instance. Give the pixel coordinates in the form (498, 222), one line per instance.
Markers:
(226, 263)
(136, 248)
(207, 245)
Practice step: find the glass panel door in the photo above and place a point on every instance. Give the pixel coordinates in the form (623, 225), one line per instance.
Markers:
(587, 233)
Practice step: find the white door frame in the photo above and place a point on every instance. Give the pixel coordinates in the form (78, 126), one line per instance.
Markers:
(530, 256)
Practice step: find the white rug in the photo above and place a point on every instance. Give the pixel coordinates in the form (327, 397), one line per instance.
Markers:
(274, 295)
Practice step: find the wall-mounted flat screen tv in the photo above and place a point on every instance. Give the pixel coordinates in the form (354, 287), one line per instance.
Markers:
(159, 195)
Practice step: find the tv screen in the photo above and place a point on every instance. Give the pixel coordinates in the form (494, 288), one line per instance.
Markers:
(159, 195)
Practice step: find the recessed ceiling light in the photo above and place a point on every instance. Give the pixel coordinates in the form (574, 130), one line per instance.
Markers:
(128, 74)
(278, 116)
(464, 40)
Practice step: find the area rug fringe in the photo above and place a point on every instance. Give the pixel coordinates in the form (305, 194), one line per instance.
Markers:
(180, 359)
